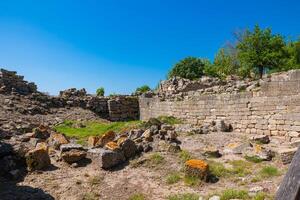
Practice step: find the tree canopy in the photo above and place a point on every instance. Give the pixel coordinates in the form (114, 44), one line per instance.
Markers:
(100, 92)
(142, 89)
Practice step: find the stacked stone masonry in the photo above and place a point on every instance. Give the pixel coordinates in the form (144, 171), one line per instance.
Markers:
(273, 109)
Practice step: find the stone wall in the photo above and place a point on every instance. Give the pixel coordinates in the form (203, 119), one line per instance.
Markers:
(273, 108)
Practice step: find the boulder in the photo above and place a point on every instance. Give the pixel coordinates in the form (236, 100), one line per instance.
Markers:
(167, 127)
(147, 135)
(222, 126)
(128, 148)
(197, 168)
(56, 140)
(92, 141)
(236, 148)
(107, 159)
(211, 152)
(107, 137)
(38, 158)
(113, 146)
(72, 156)
(171, 135)
(41, 132)
(174, 148)
(286, 154)
(135, 134)
(263, 139)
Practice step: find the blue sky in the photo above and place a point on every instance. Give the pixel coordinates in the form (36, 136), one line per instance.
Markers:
(122, 44)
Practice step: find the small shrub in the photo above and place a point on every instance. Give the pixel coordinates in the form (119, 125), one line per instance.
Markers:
(137, 197)
(96, 180)
(234, 194)
(100, 92)
(169, 120)
(172, 178)
(261, 196)
(254, 159)
(186, 196)
(191, 180)
(218, 169)
(90, 196)
(240, 168)
(156, 159)
(184, 155)
(269, 171)
(142, 89)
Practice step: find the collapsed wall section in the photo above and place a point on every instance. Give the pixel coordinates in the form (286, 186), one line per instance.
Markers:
(272, 109)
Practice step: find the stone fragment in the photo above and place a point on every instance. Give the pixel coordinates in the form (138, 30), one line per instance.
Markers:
(253, 191)
(197, 168)
(174, 148)
(56, 140)
(215, 197)
(212, 152)
(70, 146)
(38, 158)
(147, 135)
(263, 139)
(236, 148)
(92, 141)
(113, 146)
(294, 134)
(107, 137)
(171, 135)
(167, 127)
(222, 126)
(107, 159)
(41, 132)
(135, 134)
(129, 148)
(286, 154)
(72, 156)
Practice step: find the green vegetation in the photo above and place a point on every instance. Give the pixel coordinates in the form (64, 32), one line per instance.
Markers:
(90, 196)
(96, 180)
(269, 171)
(100, 92)
(173, 177)
(142, 89)
(190, 68)
(82, 131)
(239, 168)
(254, 159)
(251, 54)
(184, 155)
(169, 120)
(191, 180)
(186, 196)
(137, 197)
(234, 194)
(156, 159)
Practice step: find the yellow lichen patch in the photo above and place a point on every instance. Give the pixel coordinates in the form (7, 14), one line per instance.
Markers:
(197, 164)
(257, 148)
(232, 145)
(112, 146)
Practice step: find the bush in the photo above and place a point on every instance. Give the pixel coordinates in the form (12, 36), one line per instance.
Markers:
(100, 92)
(142, 89)
(189, 68)
(269, 171)
(173, 177)
(234, 194)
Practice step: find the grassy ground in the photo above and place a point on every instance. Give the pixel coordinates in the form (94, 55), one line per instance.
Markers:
(82, 130)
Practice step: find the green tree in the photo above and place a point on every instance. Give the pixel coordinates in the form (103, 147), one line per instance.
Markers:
(293, 49)
(100, 92)
(260, 50)
(142, 89)
(190, 68)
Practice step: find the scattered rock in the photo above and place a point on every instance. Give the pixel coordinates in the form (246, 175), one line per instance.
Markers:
(236, 148)
(286, 154)
(73, 155)
(92, 141)
(197, 168)
(5, 149)
(174, 148)
(56, 140)
(41, 132)
(263, 139)
(257, 189)
(107, 158)
(129, 148)
(214, 198)
(107, 137)
(212, 152)
(38, 158)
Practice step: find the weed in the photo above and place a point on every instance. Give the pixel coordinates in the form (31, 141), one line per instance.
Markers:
(169, 120)
(173, 177)
(185, 156)
(254, 159)
(269, 171)
(234, 194)
(191, 180)
(186, 196)
(96, 180)
(137, 196)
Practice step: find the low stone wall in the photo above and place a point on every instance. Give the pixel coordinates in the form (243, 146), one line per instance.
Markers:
(271, 109)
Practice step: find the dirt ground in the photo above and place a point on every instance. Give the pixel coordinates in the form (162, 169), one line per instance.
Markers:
(142, 176)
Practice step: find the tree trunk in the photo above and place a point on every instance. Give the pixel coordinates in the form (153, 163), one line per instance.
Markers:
(261, 71)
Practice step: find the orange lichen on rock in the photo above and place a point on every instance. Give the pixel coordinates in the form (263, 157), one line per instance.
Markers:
(197, 168)
(199, 164)
(112, 146)
(107, 137)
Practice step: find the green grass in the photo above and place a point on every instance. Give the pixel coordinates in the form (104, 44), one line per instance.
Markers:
(191, 180)
(169, 120)
(234, 194)
(93, 128)
(239, 168)
(155, 159)
(185, 156)
(137, 197)
(254, 159)
(173, 177)
(269, 171)
(186, 196)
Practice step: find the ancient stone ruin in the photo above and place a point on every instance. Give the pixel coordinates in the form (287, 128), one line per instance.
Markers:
(202, 135)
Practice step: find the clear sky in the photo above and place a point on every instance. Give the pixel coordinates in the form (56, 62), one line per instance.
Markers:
(122, 44)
